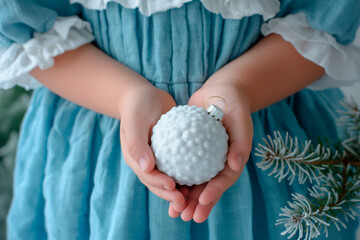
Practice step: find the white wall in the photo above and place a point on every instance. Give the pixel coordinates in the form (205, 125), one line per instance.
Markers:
(353, 91)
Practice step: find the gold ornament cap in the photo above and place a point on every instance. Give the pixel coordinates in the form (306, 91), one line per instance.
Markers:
(215, 112)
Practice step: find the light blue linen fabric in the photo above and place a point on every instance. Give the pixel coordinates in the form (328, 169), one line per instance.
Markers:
(71, 181)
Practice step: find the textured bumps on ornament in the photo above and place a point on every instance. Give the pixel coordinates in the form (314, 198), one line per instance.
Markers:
(190, 145)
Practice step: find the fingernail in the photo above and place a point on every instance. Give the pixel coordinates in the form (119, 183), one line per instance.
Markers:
(166, 187)
(143, 163)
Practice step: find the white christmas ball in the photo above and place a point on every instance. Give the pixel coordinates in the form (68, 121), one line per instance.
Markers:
(189, 145)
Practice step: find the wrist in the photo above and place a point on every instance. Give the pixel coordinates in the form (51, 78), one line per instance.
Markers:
(130, 92)
(235, 85)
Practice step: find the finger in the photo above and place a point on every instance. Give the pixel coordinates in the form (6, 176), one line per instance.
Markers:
(185, 190)
(174, 197)
(134, 132)
(172, 212)
(202, 212)
(155, 179)
(240, 129)
(219, 184)
(197, 99)
(192, 201)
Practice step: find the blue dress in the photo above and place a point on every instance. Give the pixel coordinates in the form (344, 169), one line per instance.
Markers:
(71, 181)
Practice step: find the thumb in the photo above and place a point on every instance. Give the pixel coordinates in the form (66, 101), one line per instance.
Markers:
(135, 134)
(240, 129)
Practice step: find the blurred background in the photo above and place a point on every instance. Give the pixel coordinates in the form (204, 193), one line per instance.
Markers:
(353, 91)
(13, 104)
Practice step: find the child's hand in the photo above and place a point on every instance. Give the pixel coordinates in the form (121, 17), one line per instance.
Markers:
(237, 120)
(141, 108)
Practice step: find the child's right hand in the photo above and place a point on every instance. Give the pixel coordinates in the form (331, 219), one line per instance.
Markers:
(141, 108)
(123, 94)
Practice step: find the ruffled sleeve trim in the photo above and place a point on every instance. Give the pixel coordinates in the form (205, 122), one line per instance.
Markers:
(146, 7)
(233, 9)
(19, 59)
(341, 62)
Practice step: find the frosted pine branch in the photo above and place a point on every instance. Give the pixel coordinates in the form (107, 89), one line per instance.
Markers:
(300, 218)
(287, 158)
(330, 203)
(351, 117)
(336, 196)
(351, 121)
(352, 145)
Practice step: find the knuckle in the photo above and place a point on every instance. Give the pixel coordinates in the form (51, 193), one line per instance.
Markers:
(132, 149)
(127, 161)
(243, 142)
(247, 142)
(122, 130)
(176, 198)
(180, 198)
(123, 136)
(228, 179)
(142, 181)
(217, 188)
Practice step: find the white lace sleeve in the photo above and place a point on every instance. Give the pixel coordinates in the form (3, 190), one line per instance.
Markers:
(18, 60)
(341, 62)
(146, 7)
(233, 9)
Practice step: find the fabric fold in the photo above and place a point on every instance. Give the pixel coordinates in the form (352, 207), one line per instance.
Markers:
(232, 9)
(341, 62)
(18, 60)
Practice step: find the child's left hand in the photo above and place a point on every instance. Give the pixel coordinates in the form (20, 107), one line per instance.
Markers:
(237, 120)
